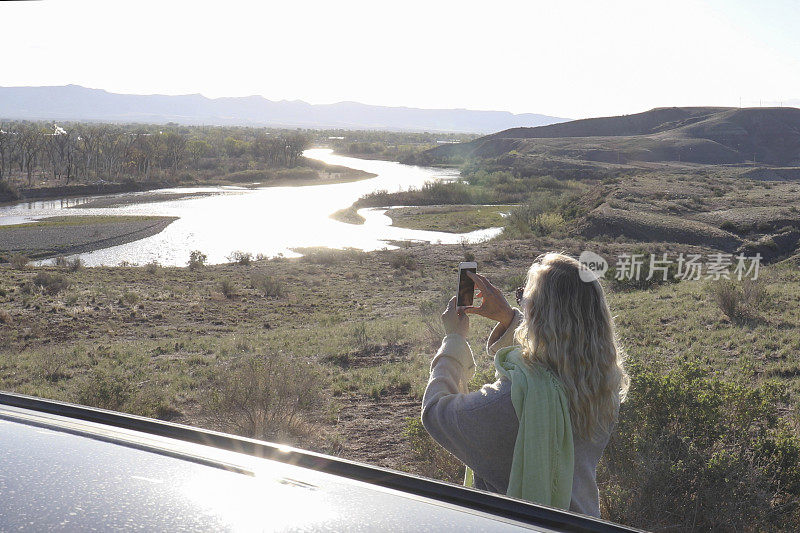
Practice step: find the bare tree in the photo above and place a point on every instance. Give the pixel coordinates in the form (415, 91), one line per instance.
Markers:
(60, 149)
(175, 145)
(110, 143)
(5, 149)
(28, 146)
(144, 152)
(87, 144)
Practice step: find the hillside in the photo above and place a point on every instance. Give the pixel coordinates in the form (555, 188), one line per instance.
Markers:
(72, 102)
(707, 135)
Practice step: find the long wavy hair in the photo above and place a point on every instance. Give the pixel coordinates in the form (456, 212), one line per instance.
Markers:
(569, 330)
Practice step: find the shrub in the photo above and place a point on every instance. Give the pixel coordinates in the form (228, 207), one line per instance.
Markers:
(739, 301)
(7, 191)
(693, 452)
(266, 285)
(75, 264)
(266, 396)
(330, 256)
(727, 298)
(434, 332)
(431, 193)
(197, 260)
(393, 334)
(504, 253)
(227, 288)
(731, 226)
(403, 260)
(50, 366)
(104, 390)
(754, 293)
(468, 254)
(152, 267)
(241, 258)
(360, 336)
(537, 217)
(130, 298)
(51, 283)
(19, 261)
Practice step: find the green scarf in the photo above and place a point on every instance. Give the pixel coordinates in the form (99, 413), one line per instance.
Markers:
(544, 455)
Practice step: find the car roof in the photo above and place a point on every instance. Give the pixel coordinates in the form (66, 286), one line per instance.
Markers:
(62, 469)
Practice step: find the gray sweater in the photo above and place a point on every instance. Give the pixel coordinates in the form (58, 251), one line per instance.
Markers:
(480, 428)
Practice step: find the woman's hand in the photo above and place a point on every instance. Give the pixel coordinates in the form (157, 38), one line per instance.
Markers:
(494, 305)
(455, 320)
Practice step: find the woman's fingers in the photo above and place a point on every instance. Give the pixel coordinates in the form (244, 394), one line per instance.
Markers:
(485, 286)
(476, 278)
(475, 310)
(480, 281)
(488, 284)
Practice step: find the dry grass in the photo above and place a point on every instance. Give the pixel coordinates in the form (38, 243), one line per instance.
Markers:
(266, 396)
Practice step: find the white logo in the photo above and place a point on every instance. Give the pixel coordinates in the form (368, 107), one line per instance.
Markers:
(593, 266)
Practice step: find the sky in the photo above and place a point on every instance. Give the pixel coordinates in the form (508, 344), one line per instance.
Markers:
(566, 58)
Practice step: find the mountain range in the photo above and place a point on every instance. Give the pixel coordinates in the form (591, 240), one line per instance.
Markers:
(73, 102)
(706, 135)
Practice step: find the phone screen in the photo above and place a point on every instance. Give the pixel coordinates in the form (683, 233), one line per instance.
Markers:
(466, 287)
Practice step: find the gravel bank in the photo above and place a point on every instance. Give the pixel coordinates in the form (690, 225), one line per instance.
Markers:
(74, 235)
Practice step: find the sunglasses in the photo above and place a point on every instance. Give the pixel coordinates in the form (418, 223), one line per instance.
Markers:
(519, 292)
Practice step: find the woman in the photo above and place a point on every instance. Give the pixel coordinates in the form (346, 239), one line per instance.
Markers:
(538, 431)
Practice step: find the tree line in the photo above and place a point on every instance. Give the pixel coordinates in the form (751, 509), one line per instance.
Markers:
(36, 153)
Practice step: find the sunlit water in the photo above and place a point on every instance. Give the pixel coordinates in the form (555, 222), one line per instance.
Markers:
(268, 221)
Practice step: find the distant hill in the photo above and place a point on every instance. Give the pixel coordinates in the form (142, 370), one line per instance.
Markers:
(72, 102)
(710, 135)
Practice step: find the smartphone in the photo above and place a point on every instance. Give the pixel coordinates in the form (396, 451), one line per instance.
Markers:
(466, 287)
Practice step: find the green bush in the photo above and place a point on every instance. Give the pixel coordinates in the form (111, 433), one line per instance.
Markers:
(241, 258)
(537, 217)
(431, 193)
(197, 260)
(693, 452)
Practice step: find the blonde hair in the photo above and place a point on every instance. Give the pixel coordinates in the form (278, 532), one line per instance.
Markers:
(569, 330)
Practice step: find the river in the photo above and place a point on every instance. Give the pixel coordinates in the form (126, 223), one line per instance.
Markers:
(268, 221)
